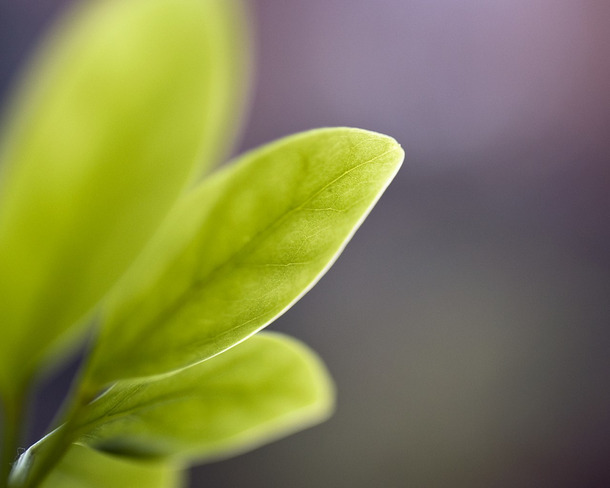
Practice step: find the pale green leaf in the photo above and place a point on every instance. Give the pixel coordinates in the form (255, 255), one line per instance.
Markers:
(262, 389)
(83, 467)
(122, 109)
(243, 247)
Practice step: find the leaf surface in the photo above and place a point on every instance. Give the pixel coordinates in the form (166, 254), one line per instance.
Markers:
(262, 389)
(83, 467)
(241, 249)
(122, 108)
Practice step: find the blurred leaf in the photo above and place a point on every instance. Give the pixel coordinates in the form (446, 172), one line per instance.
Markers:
(262, 389)
(122, 108)
(243, 248)
(83, 467)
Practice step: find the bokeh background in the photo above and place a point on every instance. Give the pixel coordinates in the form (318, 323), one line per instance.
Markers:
(467, 324)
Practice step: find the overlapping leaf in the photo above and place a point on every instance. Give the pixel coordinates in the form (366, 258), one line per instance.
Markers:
(83, 467)
(122, 109)
(242, 249)
(268, 386)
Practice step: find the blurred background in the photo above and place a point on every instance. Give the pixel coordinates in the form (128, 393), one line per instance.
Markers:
(467, 324)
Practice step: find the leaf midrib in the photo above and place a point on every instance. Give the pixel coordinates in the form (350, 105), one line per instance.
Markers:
(199, 283)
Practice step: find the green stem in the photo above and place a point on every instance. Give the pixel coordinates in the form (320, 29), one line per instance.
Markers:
(37, 462)
(14, 412)
(49, 451)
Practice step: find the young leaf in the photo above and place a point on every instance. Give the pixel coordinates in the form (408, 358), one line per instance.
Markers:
(120, 111)
(264, 388)
(83, 467)
(243, 248)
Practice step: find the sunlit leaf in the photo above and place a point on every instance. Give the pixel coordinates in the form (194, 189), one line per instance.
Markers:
(83, 467)
(242, 249)
(264, 388)
(124, 106)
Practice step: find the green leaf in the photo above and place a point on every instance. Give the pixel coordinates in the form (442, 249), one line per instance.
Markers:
(262, 389)
(122, 110)
(241, 249)
(83, 467)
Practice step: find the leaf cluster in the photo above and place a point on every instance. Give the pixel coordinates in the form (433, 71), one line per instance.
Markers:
(111, 237)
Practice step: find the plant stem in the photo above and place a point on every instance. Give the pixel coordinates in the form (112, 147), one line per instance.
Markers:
(34, 465)
(14, 410)
(40, 458)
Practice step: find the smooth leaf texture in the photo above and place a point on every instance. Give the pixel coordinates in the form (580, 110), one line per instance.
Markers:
(123, 108)
(83, 467)
(262, 389)
(242, 249)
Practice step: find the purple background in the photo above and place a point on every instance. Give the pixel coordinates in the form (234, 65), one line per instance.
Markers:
(466, 325)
